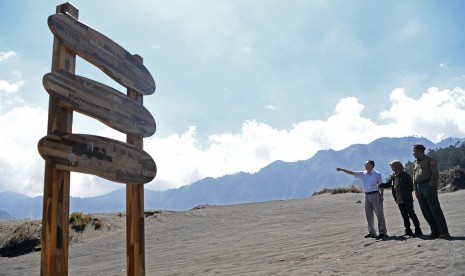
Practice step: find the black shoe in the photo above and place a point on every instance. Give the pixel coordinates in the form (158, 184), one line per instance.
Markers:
(418, 233)
(444, 236)
(382, 236)
(433, 236)
(370, 236)
(408, 232)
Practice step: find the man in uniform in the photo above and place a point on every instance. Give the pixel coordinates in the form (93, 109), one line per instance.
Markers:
(425, 185)
(373, 198)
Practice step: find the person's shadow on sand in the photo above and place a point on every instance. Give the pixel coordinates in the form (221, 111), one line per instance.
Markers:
(389, 238)
(452, 238)
(457, 238)
(404, 238)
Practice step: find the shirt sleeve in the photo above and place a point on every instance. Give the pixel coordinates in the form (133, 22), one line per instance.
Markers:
(434, 172)
(358, 174)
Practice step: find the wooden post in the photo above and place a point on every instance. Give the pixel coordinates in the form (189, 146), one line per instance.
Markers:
(55, 217)
(135, 235)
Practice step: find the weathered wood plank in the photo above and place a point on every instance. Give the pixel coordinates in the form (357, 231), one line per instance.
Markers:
(102, 52)
(100, 102)
(104, 157)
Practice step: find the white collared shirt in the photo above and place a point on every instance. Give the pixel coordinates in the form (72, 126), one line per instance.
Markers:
(370, 180)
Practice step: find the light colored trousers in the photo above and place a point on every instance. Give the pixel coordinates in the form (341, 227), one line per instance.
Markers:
(373, 205)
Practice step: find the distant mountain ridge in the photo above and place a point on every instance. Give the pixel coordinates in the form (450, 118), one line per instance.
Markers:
(277, 181)
(5, 216)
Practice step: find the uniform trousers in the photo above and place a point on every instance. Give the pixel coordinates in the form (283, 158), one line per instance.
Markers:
(431, 209)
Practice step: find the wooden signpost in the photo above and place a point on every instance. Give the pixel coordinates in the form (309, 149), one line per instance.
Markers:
(113, 160)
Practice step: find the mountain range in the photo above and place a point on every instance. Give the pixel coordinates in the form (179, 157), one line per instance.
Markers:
(5, 216)
(277, 181)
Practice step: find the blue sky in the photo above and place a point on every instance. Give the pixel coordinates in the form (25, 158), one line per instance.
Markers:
(241, 84)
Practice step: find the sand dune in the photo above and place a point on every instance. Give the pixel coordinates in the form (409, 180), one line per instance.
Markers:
(321, 235)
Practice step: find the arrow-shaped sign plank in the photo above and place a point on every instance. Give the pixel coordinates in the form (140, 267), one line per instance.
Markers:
(110, 159)
(102, 52)
(101, 102)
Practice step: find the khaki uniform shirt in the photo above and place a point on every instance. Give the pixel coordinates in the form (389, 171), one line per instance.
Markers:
(425, 171)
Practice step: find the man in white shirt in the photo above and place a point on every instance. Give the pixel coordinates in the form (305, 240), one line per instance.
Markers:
(373, 198)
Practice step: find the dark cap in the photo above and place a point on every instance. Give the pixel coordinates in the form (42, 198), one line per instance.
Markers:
(419, 147)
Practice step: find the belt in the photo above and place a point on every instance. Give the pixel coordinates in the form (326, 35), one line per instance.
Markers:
(370, 193)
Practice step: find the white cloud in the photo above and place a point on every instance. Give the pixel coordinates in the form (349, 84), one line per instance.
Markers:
(86, 185)
(18, 73)
(437, 114)
(6, 55)
(20, 162)
(183, 158)
(22, 127)
(6, 86)
(349, 107)
(10, 88)
(271, 107)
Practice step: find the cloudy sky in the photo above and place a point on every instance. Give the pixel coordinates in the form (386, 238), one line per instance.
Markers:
(242, 83)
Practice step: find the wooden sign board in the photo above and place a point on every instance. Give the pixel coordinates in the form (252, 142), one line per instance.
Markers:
(100, 102)
(100, 156)
(102, 52)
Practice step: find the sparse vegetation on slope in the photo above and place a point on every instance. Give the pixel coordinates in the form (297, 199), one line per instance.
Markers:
(19, 237)
(79, 221)
(23, 239)
(451, 180)
(340, 190)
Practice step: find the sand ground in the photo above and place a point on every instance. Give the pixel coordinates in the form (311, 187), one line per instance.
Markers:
(321, 235)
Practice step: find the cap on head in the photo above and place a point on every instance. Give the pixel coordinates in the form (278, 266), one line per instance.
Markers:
(419, 147)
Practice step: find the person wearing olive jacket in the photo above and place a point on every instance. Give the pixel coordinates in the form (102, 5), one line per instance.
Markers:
(402, 189)
(425, 184)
